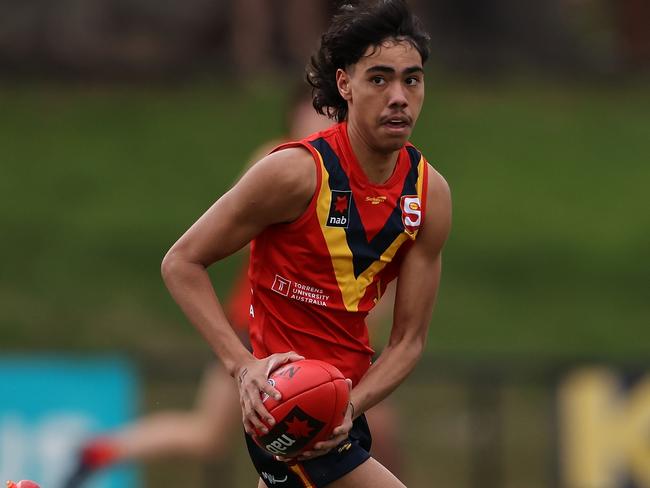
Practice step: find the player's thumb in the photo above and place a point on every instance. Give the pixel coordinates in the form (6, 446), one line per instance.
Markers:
(291, 356)
(278, 359)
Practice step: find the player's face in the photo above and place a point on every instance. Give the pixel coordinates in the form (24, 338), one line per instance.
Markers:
(385, 92)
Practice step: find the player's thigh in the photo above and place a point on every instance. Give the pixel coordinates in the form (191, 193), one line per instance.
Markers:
(261, 484)
(370, 474)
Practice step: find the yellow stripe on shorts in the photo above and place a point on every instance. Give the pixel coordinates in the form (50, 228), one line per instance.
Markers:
(296, 468)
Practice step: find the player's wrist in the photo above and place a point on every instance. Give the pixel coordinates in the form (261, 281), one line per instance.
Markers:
(237, 366)
(238, 371)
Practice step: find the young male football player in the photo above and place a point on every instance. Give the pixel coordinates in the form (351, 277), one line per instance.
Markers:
(332, 218)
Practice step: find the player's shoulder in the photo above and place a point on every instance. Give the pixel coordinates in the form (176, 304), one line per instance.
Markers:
(437, 185)
(437, 218)
(291, 162)
(289, 170)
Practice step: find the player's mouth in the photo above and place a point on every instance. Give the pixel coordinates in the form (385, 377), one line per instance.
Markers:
(397, 124)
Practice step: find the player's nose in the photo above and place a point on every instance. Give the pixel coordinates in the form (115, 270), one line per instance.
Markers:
(397, 96)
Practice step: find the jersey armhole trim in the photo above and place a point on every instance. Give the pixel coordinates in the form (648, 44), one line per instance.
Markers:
(311, 207)
(425, 188)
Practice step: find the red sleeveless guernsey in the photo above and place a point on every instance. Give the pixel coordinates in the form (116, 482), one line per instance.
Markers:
(315, 279)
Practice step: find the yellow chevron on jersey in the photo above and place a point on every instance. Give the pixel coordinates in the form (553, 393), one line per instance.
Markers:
(356, 260)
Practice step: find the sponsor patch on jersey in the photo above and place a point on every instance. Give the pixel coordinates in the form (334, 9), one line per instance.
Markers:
(411, 213)
(339, 214)
(376, 200)
(281, 285)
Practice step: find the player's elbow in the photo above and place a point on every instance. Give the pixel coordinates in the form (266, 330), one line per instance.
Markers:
(171, 266)
(416, 348)
(411, 347)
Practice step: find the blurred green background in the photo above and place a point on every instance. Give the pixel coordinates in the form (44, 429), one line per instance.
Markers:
(549, 254)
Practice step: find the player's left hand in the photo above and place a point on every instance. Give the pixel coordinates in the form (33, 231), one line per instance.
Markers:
(338, 437)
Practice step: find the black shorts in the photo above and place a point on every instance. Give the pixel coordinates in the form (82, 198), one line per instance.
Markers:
(317, 472)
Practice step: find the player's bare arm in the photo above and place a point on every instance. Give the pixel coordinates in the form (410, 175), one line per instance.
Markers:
(417, 288)
(275, 190)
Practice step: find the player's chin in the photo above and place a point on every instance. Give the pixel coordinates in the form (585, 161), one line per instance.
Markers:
(393, 140)
(392, 145)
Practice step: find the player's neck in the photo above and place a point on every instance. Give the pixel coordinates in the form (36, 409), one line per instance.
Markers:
(377, 165)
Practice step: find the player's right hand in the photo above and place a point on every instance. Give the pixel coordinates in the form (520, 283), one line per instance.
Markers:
(252, 382)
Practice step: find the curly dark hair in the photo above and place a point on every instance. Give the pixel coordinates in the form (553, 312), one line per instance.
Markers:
(353, 29)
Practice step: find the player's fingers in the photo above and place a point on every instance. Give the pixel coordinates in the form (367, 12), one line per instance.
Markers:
(245, 411)
(255, 423)
(291, 356)
(324, 448)
(294, 356)
(251, 413)
(248, 427)
(343, 429)
(284, 459)
(330, 443)
(268, 388)
(314, 453)
(275, 361)
(256, 403)
(279, 359)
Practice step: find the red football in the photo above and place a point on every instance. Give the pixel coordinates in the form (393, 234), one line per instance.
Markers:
(315, 397)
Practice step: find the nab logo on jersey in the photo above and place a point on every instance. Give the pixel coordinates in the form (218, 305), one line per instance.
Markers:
(339, 215)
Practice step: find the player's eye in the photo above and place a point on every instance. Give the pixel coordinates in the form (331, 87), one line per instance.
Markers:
(377, 80)
(412, 81)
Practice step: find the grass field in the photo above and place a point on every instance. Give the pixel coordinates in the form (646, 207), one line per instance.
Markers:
(549, 255)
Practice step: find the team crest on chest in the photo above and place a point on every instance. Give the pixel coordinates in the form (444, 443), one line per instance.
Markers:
(411, 213)
(339, 214)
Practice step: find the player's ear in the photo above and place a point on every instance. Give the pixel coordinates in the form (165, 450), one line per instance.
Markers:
(343, 84)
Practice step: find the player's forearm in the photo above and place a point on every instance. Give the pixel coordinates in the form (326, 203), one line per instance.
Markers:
(191, 288)
(389, 370)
